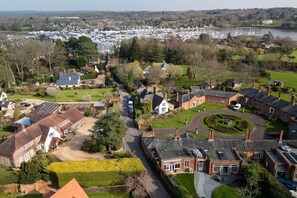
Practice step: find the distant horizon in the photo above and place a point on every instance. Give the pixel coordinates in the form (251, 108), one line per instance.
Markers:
(137, 5)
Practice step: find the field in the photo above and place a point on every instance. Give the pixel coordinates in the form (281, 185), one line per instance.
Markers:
(187, 181)
(184, 81)
(95, 173)
(109, 194)
(179, 120)
(67, 95)
(224, 191)
(289, 79)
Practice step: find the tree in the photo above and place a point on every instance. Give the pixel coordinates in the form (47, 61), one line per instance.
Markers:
(205, 38)
(174, 71)
(134, 50)
(147, 107)
(30, 172)
(155, 74)
(16, 114)
(108, 131)
(156, 53)
(224, 55)
(54, 92)
(108, 79)
(48, 48)
(189, 73)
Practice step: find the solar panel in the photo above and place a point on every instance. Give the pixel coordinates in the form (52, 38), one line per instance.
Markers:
(294, 156)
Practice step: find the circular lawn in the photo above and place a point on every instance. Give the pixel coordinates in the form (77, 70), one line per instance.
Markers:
(230, 124)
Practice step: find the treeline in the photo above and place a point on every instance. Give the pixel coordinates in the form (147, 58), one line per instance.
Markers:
(24, 60)
(225, 18)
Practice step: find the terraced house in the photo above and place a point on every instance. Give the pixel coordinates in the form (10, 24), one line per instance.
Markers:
(222, 156)
(199, 97)
(42, 135)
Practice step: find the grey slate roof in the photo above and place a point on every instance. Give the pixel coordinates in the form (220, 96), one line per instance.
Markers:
(206, 92)
(155, 98)
(68, 79)
(170, 148)
(272, 101)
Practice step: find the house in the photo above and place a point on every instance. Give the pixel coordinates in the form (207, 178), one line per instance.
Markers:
(42, 135)
(43, 110)
(89, 69)
(221, 156)
(100, 80)
(71, 190)
(193, 99)
(7, 105)
(94, 60)
(69, 80)
(268, 104)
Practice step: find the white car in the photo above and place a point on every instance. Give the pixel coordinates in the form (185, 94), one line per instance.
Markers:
(237, 107)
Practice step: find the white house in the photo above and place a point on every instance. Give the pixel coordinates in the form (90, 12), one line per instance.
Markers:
(69, 80)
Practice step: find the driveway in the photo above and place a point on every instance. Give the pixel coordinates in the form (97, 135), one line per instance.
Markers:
(70, 151)
(131, 143)
(205, 184)
(258, 133)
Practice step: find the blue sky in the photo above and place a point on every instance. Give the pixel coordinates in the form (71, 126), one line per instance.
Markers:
(135, 5)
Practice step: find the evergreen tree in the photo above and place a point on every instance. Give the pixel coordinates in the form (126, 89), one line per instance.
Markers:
(30, 172)
(156, 53)
(134, 50)
(189, 73)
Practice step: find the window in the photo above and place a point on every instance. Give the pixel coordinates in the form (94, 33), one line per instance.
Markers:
(24, 147)
(30, 143)
(234, 169)
(209, 99)
(194, 104)
(164, 104)
(32, 152)
(21, 160)
(187, 163)
(177, 165)
(166, 166)
(26, 157)
(51, 134)
(216, 168)
(222, 101)
(271, 110)
(258, 154)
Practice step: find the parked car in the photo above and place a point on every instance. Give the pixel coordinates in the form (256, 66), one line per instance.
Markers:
(130, 106)
(131, 113)
(237, 107)
(25, 104)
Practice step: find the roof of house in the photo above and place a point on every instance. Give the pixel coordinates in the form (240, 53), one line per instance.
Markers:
(68, 79)
(43, 110)
(155, 98)
(71, 190)
(270, 100)
(6, 103)
(170, 148)
(206, 92)
(292, 127)
(40, 128)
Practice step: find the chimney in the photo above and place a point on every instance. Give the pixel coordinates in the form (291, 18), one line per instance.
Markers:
(177, 96)
(155, 89)
(281, 136)
(23, 128)
(210, 135)
(250, 135)
(177, 136)
(247, 135)
(293, 99)
(268, 92)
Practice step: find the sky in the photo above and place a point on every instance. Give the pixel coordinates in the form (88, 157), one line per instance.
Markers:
(137, 5)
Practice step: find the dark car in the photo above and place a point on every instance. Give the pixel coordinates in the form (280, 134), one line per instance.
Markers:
(25, 104)
(131, 113)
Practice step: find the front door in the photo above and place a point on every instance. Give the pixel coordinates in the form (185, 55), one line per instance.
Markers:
(225, 170)
(200, 166)
(172, 167)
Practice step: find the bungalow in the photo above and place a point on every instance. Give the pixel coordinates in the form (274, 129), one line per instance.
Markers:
(69, 80)
(42, 135)
(193, 99)
(221, 156)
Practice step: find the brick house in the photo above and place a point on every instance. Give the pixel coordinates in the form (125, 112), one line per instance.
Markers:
(42, 135)
(193, 99)
(221, 156)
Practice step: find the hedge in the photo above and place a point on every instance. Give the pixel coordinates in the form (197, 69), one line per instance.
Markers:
(95, 173)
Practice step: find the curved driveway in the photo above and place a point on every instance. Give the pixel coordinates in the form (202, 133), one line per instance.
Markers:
(258, 122)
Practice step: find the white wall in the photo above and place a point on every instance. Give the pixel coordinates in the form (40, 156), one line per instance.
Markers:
(52, 133)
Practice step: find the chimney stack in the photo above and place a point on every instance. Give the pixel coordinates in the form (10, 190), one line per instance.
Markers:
(268, 92)
(281, 136)
(293, 99)
(177, 136)
(210, 135)
(23, 128)
(250, 135)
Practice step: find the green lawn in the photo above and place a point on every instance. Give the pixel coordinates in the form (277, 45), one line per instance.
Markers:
(68, 95)
(4, 133)
(179, 120)
(276, 126)
(8, 176)
(109, 194)
(225, 191)
(187, 181)
(289, 79)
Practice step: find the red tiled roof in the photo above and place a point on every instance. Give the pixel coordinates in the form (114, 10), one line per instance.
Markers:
(71, 190)
(73, 115)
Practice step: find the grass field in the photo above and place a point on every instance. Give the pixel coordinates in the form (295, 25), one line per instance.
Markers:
(179, 120)
(289, 79)
(96, 172)
(225, 191)
(276, 126)
(68, 95)
(187, 180)
(109, 194)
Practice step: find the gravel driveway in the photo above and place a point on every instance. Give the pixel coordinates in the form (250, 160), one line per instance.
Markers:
(70, 151)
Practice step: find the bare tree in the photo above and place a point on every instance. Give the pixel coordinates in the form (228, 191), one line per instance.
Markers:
(54, 92)
(48, 49)
(155, 74)
(87, 98)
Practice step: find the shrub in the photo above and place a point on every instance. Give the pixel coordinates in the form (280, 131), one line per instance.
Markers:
(88, 113)
(16, 114)
(41, 93)
(97, 172)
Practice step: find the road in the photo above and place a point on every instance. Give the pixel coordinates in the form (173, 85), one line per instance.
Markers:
(131, 143)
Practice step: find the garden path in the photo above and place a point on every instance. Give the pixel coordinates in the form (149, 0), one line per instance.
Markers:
(258, 133)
